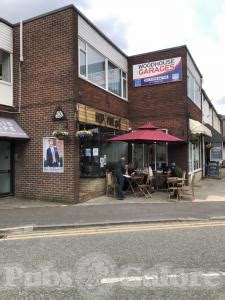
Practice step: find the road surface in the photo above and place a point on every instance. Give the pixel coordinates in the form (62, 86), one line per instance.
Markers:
(152, 261)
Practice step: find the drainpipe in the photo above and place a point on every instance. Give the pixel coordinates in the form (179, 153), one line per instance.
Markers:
(20, 65)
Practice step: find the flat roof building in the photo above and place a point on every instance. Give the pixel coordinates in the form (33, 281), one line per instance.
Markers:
(69, 89)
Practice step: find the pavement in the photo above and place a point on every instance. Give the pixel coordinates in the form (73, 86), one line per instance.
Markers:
(25, 214)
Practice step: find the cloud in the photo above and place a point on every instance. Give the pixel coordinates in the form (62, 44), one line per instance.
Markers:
(151, 25)
(220, 101)
(220, 105)
(116, 30)
(14, 10)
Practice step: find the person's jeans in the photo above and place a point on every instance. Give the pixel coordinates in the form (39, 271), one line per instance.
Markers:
(120, 181)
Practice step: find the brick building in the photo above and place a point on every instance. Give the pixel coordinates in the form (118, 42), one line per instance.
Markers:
(58, 72)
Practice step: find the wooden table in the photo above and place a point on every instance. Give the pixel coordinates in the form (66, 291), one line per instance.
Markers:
(133, 182)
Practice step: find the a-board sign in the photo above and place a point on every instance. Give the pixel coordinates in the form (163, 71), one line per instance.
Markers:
(213, 169)
(216, 153)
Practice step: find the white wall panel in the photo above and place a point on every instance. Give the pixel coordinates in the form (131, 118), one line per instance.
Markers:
(216, 122)
(193, 70)
(206, 112)
(91, 36)
(6, 37)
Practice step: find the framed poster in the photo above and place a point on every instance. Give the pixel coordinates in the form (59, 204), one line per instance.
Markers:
(95, 151)
(53, 155)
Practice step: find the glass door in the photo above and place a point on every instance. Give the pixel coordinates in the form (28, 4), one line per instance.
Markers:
(5, 168)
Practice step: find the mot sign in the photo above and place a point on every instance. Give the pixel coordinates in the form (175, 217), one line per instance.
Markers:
(157, 72)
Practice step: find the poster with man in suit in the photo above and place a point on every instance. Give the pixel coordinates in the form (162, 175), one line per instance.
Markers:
(53, 155)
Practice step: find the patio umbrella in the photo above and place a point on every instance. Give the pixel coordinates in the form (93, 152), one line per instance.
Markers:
(144, 134)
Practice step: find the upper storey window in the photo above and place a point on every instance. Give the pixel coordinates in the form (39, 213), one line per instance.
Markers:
(194, 90)
(5, 69)
(97, 69)
(114, 79)
(83, 58)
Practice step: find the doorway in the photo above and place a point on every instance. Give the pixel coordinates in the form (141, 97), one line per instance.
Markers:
(5, 168)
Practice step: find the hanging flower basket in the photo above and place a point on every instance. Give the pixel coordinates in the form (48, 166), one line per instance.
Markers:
(84, 133)
(209, 146)
(60, 133)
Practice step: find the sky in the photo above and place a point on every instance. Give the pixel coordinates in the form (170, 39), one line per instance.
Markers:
(150, 25)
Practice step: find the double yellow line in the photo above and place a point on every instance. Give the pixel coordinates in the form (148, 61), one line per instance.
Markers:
(115, 229)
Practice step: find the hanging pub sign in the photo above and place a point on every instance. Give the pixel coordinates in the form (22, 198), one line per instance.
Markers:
(157, 72)
(59, 114)
(89, 115)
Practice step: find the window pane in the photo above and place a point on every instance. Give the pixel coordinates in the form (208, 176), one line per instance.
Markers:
(124, 88)
(161, 156)
(83, 63)
(96, 67)
(111, 151)
(196, 155)
(138, 153)
(149, 155)
(82, 45)
(5, 71)
(114, 79)
(89, 156)
(194, 90)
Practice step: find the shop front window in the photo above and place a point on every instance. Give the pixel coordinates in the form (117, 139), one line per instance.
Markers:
(97, 154)
(161, 156)
(195, 155)
(89, 154)
(154, 154)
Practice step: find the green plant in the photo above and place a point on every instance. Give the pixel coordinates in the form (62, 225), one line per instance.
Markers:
(209, 146)
(84, 133)
(60, 132)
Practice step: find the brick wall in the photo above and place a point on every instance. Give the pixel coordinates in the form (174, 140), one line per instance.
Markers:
(50, 79)
(100, 99)
(165, 105)
(47, 82)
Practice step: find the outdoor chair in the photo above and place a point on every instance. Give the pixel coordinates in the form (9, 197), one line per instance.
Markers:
(145, 189)
(172, 187)
(181, 183)
(110, 184)
(188, 190)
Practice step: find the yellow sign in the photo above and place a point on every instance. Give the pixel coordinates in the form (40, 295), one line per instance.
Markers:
(89, 115)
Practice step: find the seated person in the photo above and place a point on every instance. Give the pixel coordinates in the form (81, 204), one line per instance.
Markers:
(175, 171)
(148, 172)
(148, 169)
(127, 172)
(131, 168)
(164, 168)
